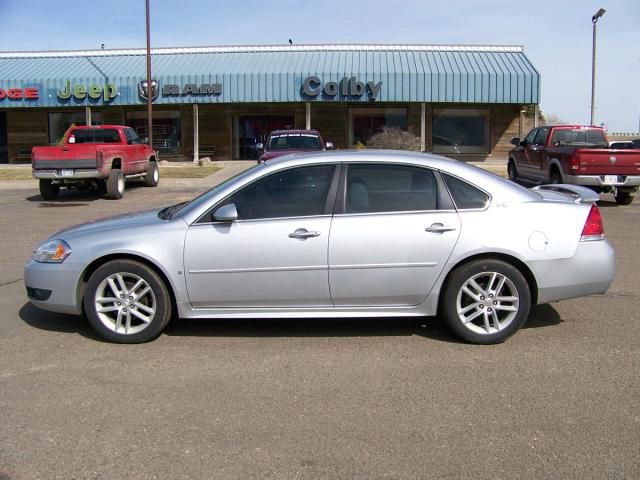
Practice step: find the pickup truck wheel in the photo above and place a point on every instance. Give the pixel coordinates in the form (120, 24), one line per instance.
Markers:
(554, 177)
(512, 172)
(623, 198)
(49, 190)
(153, 175)
(115, 184)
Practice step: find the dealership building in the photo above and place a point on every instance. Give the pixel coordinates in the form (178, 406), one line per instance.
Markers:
(462, 101)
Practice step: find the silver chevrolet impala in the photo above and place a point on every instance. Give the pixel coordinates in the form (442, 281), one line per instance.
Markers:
(343, 234)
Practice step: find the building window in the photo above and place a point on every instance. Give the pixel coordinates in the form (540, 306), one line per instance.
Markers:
(364, 123)
(460, 130)
(60, 122)
(167, 129)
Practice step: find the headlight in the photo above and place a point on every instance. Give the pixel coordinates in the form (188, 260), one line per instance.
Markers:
(52, 251)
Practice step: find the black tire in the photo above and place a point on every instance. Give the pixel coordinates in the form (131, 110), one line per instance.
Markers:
(153, 175)
(487, 308)
(49, 190)
(623, 198)
(554, 176)
(512, 172)
(131, 328)
(115, 184)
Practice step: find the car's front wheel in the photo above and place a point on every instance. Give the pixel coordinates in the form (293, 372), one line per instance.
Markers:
(486, 301)
(512, 172)
(152, 177)
(127, 302)
(623, 198)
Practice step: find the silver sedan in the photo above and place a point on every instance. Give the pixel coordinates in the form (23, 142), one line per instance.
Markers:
(344, 234)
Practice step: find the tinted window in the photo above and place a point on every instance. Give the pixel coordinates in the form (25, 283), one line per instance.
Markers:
(541, 136)
(290, 193)
(531, 135)
(288, 141)
(98, 135)
(389, 188)
(464, 194)
(566, 137)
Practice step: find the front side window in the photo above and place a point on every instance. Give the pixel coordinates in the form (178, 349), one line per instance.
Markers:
(541, 136)
(532, 134)
(460, 130)
(465, 195)
(389, 188)
(295, 192)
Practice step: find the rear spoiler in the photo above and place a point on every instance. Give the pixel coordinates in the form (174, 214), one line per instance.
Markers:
(578, 193)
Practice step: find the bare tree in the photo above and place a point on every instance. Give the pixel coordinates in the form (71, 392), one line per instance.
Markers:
(551, 119)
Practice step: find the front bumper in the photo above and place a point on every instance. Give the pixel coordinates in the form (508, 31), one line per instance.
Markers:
(590, 271)
(599, 180)
(61, 279)
(57, 174)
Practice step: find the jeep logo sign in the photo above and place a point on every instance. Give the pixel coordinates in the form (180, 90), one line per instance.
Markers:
(347, 87)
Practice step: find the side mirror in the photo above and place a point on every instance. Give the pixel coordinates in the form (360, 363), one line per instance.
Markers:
(228, 213)
(260, 146)
(329, 146)
(145, 140)
(515, 141)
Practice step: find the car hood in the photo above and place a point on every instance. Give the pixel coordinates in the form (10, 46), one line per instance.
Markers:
(119, 222)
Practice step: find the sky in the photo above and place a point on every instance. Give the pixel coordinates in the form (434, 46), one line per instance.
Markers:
(556, 36)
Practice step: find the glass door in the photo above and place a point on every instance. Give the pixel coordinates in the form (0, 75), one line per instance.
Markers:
(254, 129)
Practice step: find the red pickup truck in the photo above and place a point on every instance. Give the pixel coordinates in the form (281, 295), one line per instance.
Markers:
(576, 155)
(101, 155)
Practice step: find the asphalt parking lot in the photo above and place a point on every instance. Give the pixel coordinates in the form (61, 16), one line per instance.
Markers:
(298, 399)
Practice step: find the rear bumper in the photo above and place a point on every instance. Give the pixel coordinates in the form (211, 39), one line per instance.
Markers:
(590, 271)
(598, 180)
(57, 174)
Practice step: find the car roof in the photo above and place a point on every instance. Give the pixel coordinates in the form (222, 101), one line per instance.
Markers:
(294, 131)
(84, 127)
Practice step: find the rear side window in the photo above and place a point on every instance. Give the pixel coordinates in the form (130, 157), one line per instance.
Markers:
(389, 188)
(465, 195)
(97, 135)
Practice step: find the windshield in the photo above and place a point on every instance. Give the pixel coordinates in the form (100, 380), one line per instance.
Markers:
(169, 212)
(578, 137)
(294, 141)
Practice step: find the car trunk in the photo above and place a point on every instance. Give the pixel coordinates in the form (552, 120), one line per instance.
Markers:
(68, 156)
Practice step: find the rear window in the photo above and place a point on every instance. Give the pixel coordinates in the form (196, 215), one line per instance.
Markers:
(465, 195)
(579, 137)
(96, 135)
(294, 141)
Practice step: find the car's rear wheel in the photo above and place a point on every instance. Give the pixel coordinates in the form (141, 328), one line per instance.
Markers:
(152, 177)
(623, 198)
(49, 190)
(115, 184)
(486, 301)
(512, 172)
(554, 177)
(127, 302)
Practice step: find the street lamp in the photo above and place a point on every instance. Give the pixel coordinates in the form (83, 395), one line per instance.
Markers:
(594, 20)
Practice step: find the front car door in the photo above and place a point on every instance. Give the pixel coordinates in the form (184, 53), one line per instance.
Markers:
(522, 153)
(137, 151)
(275, 254)
(535, 153)
(393, 231)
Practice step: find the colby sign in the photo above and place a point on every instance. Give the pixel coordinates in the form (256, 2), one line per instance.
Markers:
(347, 87)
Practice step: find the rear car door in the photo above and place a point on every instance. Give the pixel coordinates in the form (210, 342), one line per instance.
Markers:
(393, 231)
(275, 254)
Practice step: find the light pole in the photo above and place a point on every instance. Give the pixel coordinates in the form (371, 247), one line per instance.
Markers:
(149, 86)
(594, 20)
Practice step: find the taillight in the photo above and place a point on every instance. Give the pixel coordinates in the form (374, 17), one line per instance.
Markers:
(593, 227)
(574, 161)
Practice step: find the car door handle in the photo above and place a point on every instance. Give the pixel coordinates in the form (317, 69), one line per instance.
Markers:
(303, 233)
(439, 228)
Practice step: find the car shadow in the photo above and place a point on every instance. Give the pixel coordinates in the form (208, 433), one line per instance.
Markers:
(433, 328)
(71, 197)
